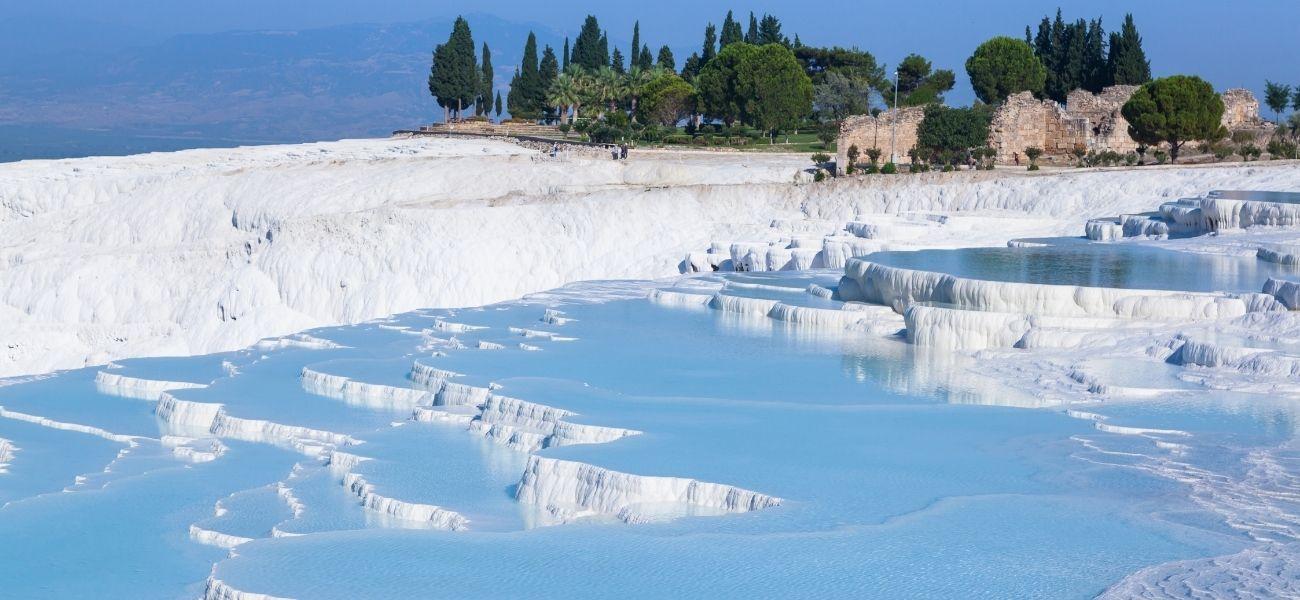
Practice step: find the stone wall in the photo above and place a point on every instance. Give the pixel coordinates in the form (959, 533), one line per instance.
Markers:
(1241, 114)
(1089, 121)
(866, 131)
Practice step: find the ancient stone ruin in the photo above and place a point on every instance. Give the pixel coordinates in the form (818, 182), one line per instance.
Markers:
(1087, 122)
(866, 131)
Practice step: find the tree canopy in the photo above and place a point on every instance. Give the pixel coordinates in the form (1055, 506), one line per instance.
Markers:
(1277, 96)
(527, 96)
(1127, 63)
(1003, 66)
(778, 93)
(666, 99)
(918, 83)
(1173, 110)
(839, 96)
(665, 60)
(454, 78)
(590, 49)
(718, 83)
(953, 130)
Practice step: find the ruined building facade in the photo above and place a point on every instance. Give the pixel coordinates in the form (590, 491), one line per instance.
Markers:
(1091, 122)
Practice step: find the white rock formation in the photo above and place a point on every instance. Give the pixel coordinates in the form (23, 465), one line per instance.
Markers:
(899, 288)
(206, 250)
(568, 490)
(115, 384)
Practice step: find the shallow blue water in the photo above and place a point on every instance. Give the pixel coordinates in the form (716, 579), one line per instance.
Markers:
(904, 473)
(1070, 262)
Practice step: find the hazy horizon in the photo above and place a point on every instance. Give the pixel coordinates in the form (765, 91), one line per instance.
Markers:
(154, 70)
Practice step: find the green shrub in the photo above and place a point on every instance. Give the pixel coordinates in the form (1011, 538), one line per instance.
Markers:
(1279, 148)
(889, 169)
(1033, 167)
(1131, 158)
(820, 158)
(820, 175)
(1161, 156)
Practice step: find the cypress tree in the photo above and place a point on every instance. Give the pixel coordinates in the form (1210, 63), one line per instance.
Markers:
(548, 68)
(603, 49)
(616, 62)
(498, 105)
(526, 93)
(710, 46)
(730, 31)
(483, 105)
(1127, 63)
(1094, 57)
(751, 34)
(454, 77)
(588, 49)
(1073, 69)
(636, 41)
(565, 59)
(666, 59)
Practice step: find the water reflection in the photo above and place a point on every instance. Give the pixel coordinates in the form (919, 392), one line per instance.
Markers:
(1131, 266)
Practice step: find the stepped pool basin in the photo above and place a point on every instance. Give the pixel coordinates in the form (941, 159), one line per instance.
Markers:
(643, 439)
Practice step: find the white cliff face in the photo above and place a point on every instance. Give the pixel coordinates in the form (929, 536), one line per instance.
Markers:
(567, 489)
(433, 516)
(218, 590)
(900, 288)
(134, 387)
(219, 248)
(7, 450)
(361, 393)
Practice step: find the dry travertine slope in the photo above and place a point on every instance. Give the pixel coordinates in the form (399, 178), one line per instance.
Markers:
(207, 250)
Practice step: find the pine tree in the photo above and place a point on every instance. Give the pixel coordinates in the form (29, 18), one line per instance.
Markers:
(589, 50)
(751, 34)
(1094, 57)
(483, 105)
(564, 64)
(666, 59)
(616, 62)
(603, 48)
(769, 31)
(645, 60)
(730, 31)
(1127, 64)
(691, 67)
(548, 68)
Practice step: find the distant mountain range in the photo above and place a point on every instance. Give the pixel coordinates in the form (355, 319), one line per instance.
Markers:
(71, 88)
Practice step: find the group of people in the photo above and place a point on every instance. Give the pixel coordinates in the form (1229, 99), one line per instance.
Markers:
(616, 152)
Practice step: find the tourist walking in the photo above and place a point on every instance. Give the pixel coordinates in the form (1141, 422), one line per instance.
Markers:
(613, 152)
(622, 151)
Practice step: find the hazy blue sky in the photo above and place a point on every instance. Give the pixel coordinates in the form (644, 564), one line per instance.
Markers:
(1231, 43)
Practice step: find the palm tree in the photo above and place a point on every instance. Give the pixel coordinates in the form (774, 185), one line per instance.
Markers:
(636, 81)
(608, 87)
(564, 94)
